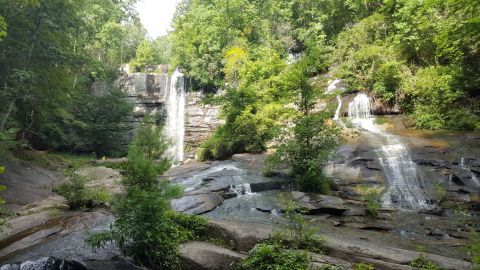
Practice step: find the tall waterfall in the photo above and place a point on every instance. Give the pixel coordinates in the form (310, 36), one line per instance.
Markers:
(175, 122)
(404, 184)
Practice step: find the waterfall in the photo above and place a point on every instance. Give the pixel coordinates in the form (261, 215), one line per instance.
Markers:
(337, 111)
(175, 122)
(474, 177)
(404, 186)
(241, 189)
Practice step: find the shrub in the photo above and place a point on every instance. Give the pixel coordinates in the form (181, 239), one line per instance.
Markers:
(146, 228)
(474, 249)
(423, 263)
(267, 257)
(77, 193)
(372, 200)
(294, 232)
(363, 266)
(305, 149)
(2, 209)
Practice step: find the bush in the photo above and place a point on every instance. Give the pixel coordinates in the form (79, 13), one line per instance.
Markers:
(295, 233)
(372, 200)
(267, 257)
(305, 151)
(423, 263)
(363, 266)
(146, 228)
(2, 202)
(474, 249)
(77, 193)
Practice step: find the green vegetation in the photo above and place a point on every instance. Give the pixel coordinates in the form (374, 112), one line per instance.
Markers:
(265, 257)
(474, 249)
(392, 49)
(54, 52)
(372, 201)
(2, 209)
(146, 228)
(289, 246)
(423, 263)
(363, 266)
(78, 193)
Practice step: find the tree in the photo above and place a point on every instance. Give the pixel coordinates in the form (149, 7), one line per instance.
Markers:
(307, 145)
(144, 56)
(146, 227)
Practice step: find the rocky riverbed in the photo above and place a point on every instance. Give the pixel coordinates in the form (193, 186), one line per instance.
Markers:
(244, 207)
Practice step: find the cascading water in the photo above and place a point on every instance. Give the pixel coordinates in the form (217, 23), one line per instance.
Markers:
(175, 123)
(241, 189)
(404, 186)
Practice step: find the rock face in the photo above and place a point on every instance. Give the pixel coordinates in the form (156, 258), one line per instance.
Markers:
(46, 263)
(201, 120)
(317, 203)
(197, 202)
(147, 92)
(205, 256)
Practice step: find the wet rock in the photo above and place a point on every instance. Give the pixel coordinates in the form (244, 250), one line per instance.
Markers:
(360, 160)
(46, 263)
(197, 203)
(266, 186)
(373, 166)
(207, 180)
(205, 256)
(318, 204)
(430, 162)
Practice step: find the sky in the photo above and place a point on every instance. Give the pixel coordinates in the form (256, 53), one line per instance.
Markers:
(156, 15)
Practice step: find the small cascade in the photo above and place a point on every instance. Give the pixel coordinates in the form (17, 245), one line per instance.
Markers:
(404, 188)
(473, 175)
(334, 85)
(337, 111)
(241, 189)
(359, 108)
(175, 122)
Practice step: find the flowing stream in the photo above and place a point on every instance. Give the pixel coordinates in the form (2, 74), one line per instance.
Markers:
(404, 184)
(175, 122)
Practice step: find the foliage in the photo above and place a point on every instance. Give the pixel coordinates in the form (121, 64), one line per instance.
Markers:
(294, 232)
(423, 263)
(312, 142)
(474, 249)
(440, 191)
(413, 53)
(265, 257)
(78, 193)
(363, 266)
(2, 209)
(50, 58)
(144, 57)
(146, 227)
(372, 200)
(8, 143)
(3, 28)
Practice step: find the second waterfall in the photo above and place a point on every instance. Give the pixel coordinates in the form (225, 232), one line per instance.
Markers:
(405, 186)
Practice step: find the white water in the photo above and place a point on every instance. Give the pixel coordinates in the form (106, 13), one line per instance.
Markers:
(241, 189)
(403, 189)
(473, 175)
(337, 111)
(333, 86)
(175, 123)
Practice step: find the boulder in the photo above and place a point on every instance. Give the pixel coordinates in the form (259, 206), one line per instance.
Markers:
(46, 263)
(205, 256)
(318, 204)
(198, 202)
(243, 235)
